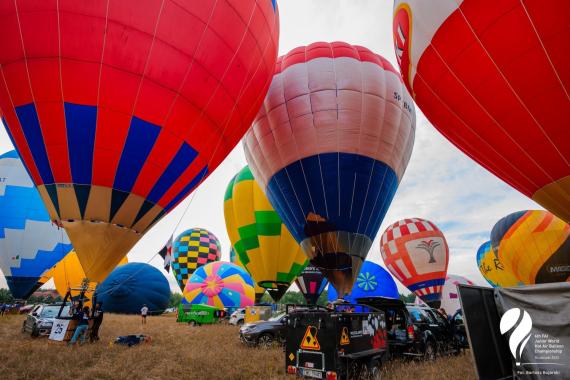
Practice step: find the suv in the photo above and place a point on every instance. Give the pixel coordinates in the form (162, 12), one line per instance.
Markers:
(263, 333)
(238, 317)
(414, 330)
(40, 320)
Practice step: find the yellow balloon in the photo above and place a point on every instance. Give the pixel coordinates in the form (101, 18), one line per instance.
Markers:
(493, 270)
(259, 291)
(264, 245)
(534, 245)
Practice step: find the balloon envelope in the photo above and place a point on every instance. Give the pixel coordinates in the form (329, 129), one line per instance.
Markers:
(131, 286)
(416, 253)
(263, 243)
(329, 148)
(221, 285)
(493, 78)
(450, 295)
(192, 249)
(29, 243)
(534, 246)
(311, 282)
(493, 270)
(372, 281)
(120, 109)
(259, 291)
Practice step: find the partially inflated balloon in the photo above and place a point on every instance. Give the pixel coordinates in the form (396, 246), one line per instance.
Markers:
(372, 281)
(68, 273)
(416, 253)
(259, 291)
(120, 109)
(494, 78)
(450, 295)
(29, 243)
(192, 249)
(493, 270)
(534, 246)
(221, 285)
(263, 243)
(311, 282)
(329, 148)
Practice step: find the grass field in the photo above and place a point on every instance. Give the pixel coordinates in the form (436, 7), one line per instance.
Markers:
(177, 351)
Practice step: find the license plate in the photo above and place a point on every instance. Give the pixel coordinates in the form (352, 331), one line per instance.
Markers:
(312, 373)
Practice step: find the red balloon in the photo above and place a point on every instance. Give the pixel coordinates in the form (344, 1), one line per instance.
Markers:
(119, 109)
(494, 78)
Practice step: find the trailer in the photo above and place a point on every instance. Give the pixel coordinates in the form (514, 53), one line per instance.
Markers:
(348, 342)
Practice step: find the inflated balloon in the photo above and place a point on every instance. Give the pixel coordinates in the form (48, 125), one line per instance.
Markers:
(263, 243)
(29, 243)
(192, 249)
(416, 253)
(450, 295)
(311, 282)
(259, 291)
(372, 281)
(329, 148)
(493, 270)
(120, 109)
(494, 77)
(68, 273)
(131, 286)
(534, 246)
(221, 285)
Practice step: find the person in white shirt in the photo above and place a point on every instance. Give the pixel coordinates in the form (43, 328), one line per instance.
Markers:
(144, 312)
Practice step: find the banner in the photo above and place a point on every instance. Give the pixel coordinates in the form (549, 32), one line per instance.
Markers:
(59, 329)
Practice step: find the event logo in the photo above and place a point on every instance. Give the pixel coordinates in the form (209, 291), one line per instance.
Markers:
(367, 281)
(520, 323)
(429, 246)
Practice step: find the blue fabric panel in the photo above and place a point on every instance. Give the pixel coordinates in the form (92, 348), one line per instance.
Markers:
(31, 127)
(22, 287)
(426, 284)
(81, 123)
(188, 188)
(334, 186)
(140, 140)
(184, 157)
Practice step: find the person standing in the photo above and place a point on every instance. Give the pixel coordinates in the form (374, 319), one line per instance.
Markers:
(97, 321)
(81, 330)
(3, 309)
(144, 312)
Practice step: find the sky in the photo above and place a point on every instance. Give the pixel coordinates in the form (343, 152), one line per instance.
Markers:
(440, 184)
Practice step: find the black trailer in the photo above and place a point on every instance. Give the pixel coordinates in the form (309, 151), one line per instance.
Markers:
(347, 342)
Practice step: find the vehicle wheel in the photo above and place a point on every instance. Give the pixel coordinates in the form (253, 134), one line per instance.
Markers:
(429, 353)
(35, 332)
(374, 369)
(240, 322)
(192, 323)
(265, 340)
(24, 326)
(356, 370)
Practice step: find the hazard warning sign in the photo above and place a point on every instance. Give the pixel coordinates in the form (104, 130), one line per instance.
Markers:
(344, 339)
(310, 341)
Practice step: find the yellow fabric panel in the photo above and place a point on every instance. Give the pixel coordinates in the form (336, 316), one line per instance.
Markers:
(68, 206)
(502, 277)
(99, 198)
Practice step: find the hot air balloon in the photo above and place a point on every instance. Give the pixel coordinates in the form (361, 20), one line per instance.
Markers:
(311, 282)
(192, 249)
(534, 246)
(120, 109)
(372, 281)
(494, 77)
(131, 286)
(450, 295)
(261, 240)
(493, 270)
(259, 291)
(416, 253)
(221, 285)
(329, 148)
(68, 273)
(29, 243)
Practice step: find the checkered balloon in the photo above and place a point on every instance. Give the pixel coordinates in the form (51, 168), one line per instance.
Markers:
(192, 249)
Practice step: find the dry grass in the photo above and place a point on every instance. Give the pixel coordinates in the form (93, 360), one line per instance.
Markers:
(177, 351)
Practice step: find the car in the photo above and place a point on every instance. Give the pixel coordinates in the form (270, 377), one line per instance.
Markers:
(238, 317)
(264, 333)
(414, 330)
(40, 320)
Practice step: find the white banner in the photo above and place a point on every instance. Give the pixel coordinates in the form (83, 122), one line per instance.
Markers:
(59, 329)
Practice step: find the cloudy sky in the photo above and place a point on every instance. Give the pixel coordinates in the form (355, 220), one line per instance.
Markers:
(441, 184)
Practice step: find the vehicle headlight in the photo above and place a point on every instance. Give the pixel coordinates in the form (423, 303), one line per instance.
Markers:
(46, 324)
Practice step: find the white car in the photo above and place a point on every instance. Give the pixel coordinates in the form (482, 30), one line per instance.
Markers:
(238, 317)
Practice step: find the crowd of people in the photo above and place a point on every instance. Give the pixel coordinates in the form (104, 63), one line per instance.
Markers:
(82, 314)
